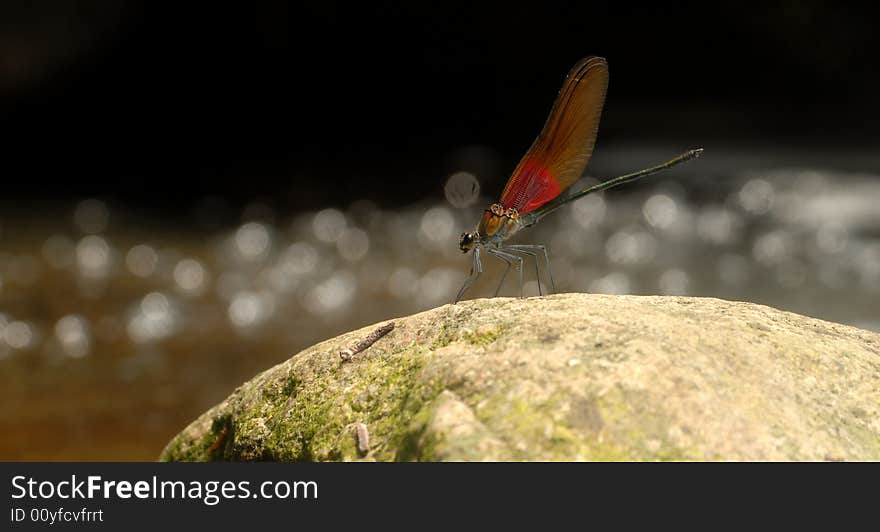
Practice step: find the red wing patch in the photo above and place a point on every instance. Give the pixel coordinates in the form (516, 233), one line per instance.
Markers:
(530, 188)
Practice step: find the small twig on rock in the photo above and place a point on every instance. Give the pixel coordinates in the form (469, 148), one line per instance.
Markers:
(346, 354)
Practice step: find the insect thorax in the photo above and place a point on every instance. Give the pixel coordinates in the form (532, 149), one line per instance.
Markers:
(498, 224)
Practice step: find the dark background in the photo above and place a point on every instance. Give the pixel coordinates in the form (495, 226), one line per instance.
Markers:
(274, 99)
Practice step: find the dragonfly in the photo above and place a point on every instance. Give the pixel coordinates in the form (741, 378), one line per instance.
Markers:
(540, 182)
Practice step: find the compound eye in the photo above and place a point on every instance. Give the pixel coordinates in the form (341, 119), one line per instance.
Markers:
(465, 242)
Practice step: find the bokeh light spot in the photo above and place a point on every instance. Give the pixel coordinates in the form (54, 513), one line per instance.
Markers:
(353, 244)
(191, 277)
(72, 333)
(252, 241)
(329, 224)
(462, 189)
(142, 260)
(91, 216)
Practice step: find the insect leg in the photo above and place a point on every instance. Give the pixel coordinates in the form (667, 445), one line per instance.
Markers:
(535, 248)
(510, 257)
(526, 251)
(476, 270)
(504, 275)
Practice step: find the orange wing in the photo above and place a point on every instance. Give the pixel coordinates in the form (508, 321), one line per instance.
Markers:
(562, 150)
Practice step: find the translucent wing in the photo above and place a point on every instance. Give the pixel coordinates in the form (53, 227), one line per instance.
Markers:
(562, 150)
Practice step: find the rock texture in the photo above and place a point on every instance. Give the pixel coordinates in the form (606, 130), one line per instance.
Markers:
(565, 377)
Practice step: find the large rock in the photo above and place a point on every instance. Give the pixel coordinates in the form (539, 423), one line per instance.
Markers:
(566, 377)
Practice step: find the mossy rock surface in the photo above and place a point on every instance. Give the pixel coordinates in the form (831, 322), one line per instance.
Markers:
(565, 377)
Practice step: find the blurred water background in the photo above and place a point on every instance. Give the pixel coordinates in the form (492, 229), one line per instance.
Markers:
(117, 329)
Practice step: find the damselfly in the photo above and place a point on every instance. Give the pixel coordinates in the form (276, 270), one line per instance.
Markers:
(555, 161)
